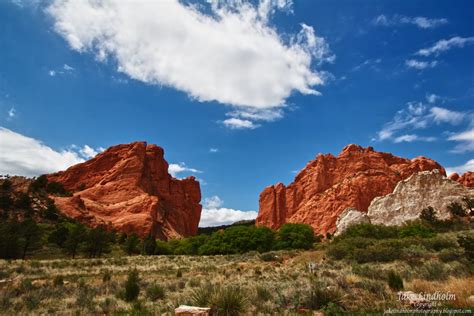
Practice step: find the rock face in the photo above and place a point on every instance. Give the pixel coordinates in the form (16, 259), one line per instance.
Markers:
(467, 179)
(350, 216)
(328, 185)
(412, 195)
(128, 188)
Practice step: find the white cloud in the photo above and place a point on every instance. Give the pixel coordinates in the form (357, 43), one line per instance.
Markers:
(417, 64)
(420, 21)
(408, 138)
(442, 115)
(88, 152)
(213, 202)
(232, 56)
(468, 166)
(466, 139)
(11, 114)
(445, 45)
(213, 214)
(213, 150)
(65, 69)
(175, 169)
(432, 98)
(236, 123)
(25, 156)
(418, 116)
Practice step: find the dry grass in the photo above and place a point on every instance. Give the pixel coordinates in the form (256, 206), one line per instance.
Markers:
(268, 287)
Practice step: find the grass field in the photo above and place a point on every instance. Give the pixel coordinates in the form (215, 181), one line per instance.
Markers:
(252, 283)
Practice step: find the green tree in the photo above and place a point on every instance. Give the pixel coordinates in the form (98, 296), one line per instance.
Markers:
(74, 239)
(59, 235)
(23, 202)
(51, 211)
(30, 236)
(9, 240)
(39, 184)
(149, 245)
(132, 287)
(131, 245)
(96, 242)
(295, 236)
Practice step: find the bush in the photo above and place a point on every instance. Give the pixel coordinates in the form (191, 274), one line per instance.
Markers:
(269, 256)
(433, 271)
(380, 252)
(370, 231)
(262, 293)
(395, 281)
(295, 236)
(320, 296)
(447, 255)
(106, 276)
(58, 280)
(131, 245)
(132, 288)
(416, 230)
(155, 292)
(230, 300)
(428, 214)
(467, 243)
(162, 248)
(456, 209)
(202, 296)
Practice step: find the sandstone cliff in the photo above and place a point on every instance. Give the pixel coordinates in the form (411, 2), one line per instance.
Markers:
(128, 188)
(328, 185)
(412, 195)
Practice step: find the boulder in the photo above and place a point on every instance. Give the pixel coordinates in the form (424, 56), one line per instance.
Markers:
(350, 216)
(411, 196)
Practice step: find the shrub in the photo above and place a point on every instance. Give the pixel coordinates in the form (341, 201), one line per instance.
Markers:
(447, 255)
(395, 281)
(106, 276)
(85, 298)
(380, 252)
(416, 230)
(295, 236)
(375, 287)
(162, 248)
(467, 243)
(320, 296)
(428, 214)
(269, 256)
(155, 292)
(438, 243)
(456, 209)
(132, 288)
(58, 280)
(262, 293)
(179, 274)
(370, 231)
(469, 204)
(230, 300)
(434, 271)
(202, 296)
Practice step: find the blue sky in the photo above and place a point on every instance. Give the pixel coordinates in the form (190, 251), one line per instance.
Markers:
(240, 95)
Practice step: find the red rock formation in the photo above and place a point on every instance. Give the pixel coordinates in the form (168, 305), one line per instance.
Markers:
(466, 179)
(128, 188)
(328, 185)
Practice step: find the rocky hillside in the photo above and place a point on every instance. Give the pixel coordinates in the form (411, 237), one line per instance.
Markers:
(128, 188)
(328, 185)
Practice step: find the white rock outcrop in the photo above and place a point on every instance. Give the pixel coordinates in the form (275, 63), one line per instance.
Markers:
(350, 216)
(411, 196)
